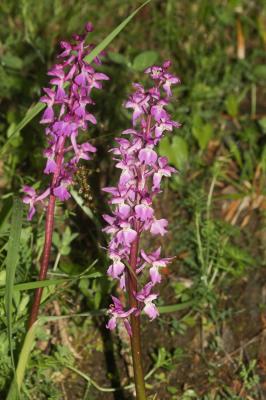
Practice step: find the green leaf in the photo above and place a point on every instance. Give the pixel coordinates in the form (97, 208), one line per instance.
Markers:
(144, 60)
(262, 123)
(22, 306)
(80, 201)
(5, 213)
(232, 105)
(11, 61)
(180, 152)
(202, 91)
(63, 243)
(175, 307)
(97, 50)
(31, 113)
(202, 132)
(261, 25)
(37, 108)
(176, 152)
(172, 389)
(263, 159)
(260, 72)
(165, 148)
(11, 264)
(50, 282)
(3, 278)
(117, 58)
(234, 149)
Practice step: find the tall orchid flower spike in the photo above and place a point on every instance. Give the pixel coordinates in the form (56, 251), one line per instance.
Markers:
(66, 115)
(142, 171)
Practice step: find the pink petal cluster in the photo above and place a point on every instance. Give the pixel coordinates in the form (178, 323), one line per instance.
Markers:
(72, 81)
(141, 173)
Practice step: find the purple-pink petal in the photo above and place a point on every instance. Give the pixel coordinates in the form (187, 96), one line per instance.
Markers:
(29, 190)
(61, 192)
(48, 116)
(155, 275)
(111, 324)
(158, 227)
(147, 156)
(31, 213)
(143, 212)
(126, 236)
(151, 310)
(116, 269)
(50, 166)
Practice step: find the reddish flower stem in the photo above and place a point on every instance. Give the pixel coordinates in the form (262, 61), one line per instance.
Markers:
(132, 287)
(49, 226)
(135, 323)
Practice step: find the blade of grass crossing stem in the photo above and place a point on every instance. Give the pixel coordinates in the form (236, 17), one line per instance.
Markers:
(50, 282)
(30, 114)
(11, 263)
(162, 310)
(13, 393)
(90, 57)
(35, 109)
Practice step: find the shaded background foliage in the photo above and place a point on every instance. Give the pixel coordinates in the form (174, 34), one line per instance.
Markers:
(216, 204)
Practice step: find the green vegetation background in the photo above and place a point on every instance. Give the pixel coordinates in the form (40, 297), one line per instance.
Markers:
(216, 205)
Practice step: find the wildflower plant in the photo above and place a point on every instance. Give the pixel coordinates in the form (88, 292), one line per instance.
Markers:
(66, 115)
(133, 213)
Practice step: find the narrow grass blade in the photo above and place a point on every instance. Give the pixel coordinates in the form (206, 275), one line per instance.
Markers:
(35, 109)
(105, 389)
(16, 384)
(175, 307)
(5, 214)
(93, 313)
(79, 200)
(11, 263)
(89, 380)
(162, 309)
(50, 282)
(90, 57)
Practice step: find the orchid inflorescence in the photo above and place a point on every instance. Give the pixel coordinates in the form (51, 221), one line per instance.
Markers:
(139, 182)
(72, 82)
(142, 170)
